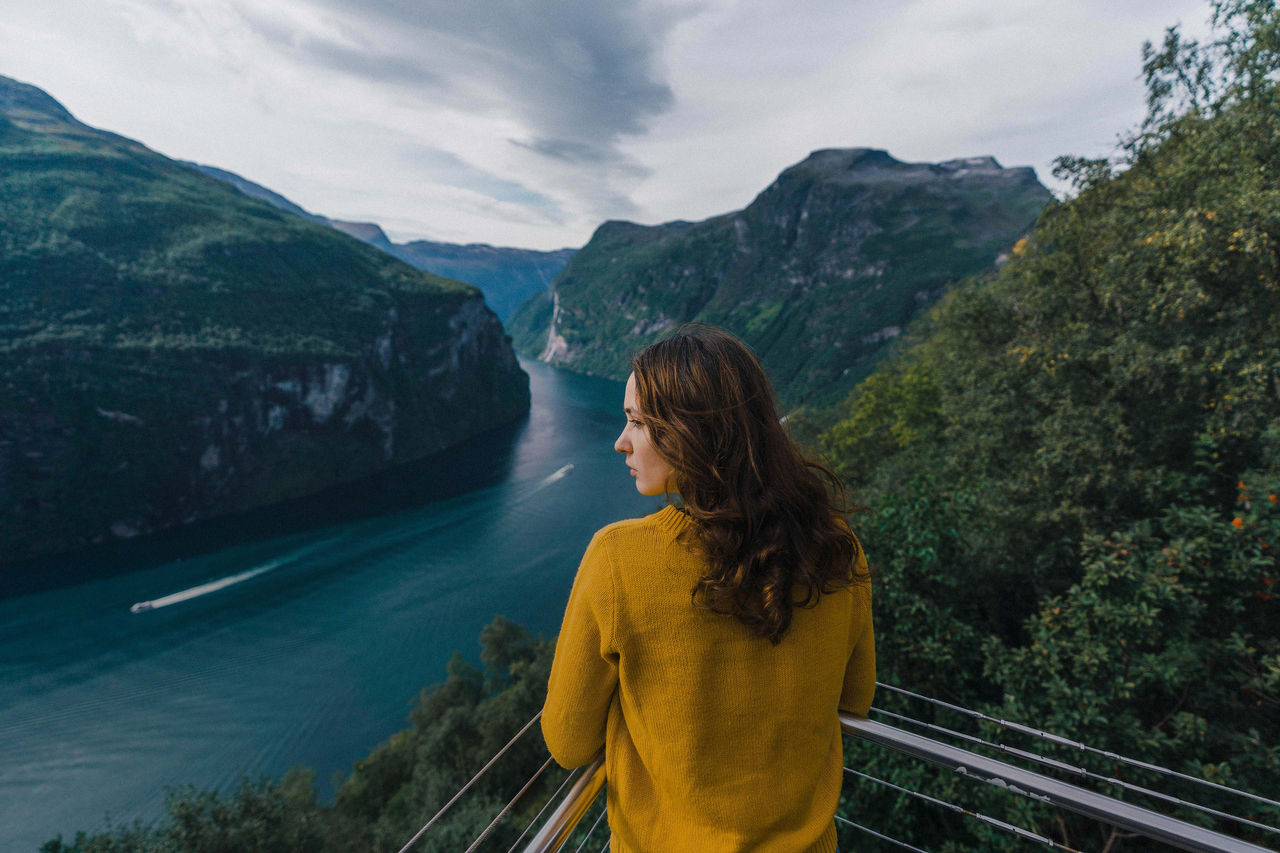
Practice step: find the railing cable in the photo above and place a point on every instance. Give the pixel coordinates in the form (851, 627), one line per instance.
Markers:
(987, 819)
(592, 831)
(527, 785)
(904, 845)
(563, 820)
(1077, 771)
(467, 786)
(1073, 744)
(541, 811)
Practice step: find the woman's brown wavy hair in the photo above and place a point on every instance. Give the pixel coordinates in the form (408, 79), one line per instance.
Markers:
(767, 518)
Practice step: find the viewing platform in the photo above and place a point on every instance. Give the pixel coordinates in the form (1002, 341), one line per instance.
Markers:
(573, 817)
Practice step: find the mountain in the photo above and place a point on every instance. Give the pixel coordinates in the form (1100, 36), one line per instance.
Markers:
(172, 349)
(508, 277)
(817, 274)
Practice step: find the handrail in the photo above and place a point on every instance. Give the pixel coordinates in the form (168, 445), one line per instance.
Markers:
(1017, 780)
(1177, 833)
(564, 819)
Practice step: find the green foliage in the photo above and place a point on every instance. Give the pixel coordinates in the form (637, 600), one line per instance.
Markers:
(1165, 649)
(894, 409)
(260, 817)
(119, 839)
(1071, 463)
(927, 621)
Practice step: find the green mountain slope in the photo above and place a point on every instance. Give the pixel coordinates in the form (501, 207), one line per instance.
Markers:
(172, 349)
(506, 276)
(817, 274)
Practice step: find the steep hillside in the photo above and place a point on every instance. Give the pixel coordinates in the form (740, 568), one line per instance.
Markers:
(172, 349)
(817, 274)
(507, 277)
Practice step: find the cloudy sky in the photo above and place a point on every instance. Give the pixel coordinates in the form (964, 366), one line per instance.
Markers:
(529, 122)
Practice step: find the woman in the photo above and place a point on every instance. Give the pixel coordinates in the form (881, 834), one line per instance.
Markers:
(707, 648)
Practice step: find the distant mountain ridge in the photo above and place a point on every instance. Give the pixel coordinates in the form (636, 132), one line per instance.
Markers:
(508, 277)
(821, 271)
(173, 350)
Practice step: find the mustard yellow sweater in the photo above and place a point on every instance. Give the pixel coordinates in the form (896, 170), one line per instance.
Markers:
(715, 739)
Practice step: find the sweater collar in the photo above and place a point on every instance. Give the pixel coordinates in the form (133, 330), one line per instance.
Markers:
(672, 519)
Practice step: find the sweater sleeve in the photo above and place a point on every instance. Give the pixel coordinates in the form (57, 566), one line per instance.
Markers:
(584, 672)
(860, 671)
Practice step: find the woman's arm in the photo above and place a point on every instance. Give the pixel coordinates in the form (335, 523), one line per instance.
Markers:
(584, 673)
(860, 672)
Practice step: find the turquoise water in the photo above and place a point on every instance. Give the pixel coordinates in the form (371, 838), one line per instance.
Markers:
(263, 649)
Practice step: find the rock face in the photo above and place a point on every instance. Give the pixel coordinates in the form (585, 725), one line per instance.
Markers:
(818, 274)
(173, 350)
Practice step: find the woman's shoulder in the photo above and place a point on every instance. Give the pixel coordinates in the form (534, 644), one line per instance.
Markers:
(664, 525)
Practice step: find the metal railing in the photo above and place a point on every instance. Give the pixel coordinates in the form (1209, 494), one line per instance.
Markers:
(1016, 780)
(1121, 816)
(1028, 783)
(565, 818)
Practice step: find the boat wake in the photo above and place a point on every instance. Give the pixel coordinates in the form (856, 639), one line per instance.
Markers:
(222, 583)
(558, 474)
(554, 477)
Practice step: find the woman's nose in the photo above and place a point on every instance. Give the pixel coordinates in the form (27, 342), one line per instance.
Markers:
(621, 444)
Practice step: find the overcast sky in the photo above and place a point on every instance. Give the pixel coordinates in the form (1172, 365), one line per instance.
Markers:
(530, 122)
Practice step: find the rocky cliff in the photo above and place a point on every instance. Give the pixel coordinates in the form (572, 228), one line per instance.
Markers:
(818, 274)
(173, 350)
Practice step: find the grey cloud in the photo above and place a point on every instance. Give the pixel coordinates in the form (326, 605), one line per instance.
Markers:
(394, 69)
(586, 154)
(578, 74)
(574, 70)
(567, 150)
(362, 60)
(452, 171)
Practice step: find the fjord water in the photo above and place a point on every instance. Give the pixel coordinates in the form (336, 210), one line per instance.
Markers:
(308, 647)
